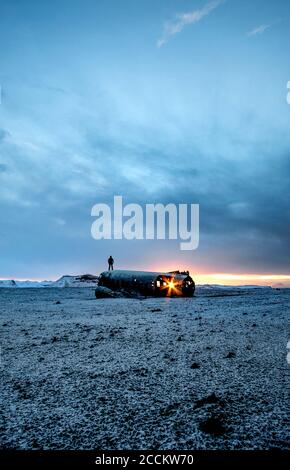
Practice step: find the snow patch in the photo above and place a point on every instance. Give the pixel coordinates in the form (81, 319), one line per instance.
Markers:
(85, 280)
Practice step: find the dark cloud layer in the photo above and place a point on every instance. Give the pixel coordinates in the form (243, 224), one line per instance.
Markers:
(244, 211)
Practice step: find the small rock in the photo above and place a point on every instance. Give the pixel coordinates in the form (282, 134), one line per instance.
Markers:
(213, 425)
(210, 399)
(104, 292)
(170, 409)
(195, 365)
(230, 355)
(99, 338)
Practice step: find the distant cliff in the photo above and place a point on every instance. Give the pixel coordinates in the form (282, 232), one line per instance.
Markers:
(84, 280)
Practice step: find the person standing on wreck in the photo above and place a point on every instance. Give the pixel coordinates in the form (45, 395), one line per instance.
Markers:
(111, 263)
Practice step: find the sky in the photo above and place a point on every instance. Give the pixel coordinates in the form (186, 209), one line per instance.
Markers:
(169, 101)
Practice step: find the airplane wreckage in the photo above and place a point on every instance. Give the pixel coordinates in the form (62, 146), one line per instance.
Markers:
(121, 283)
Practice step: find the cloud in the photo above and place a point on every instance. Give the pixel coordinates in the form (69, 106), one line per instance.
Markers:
(3, 134)
(3, 168)
(113, 139)
(181, 20)
(258, 30)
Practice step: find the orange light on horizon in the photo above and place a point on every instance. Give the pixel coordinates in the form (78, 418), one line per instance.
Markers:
(232, 279)
(240, 277)
(201, 277)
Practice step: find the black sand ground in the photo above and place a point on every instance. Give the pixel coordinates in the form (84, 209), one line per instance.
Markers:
(202, 373)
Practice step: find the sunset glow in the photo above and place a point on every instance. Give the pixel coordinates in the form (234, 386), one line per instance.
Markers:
(226, 278)
(240, 279)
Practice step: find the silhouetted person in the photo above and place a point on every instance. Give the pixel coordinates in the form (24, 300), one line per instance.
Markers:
(111, 263)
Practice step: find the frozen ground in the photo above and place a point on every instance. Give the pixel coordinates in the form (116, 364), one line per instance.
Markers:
(202, 373)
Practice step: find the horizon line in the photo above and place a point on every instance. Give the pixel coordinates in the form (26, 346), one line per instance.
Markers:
(201, 279)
